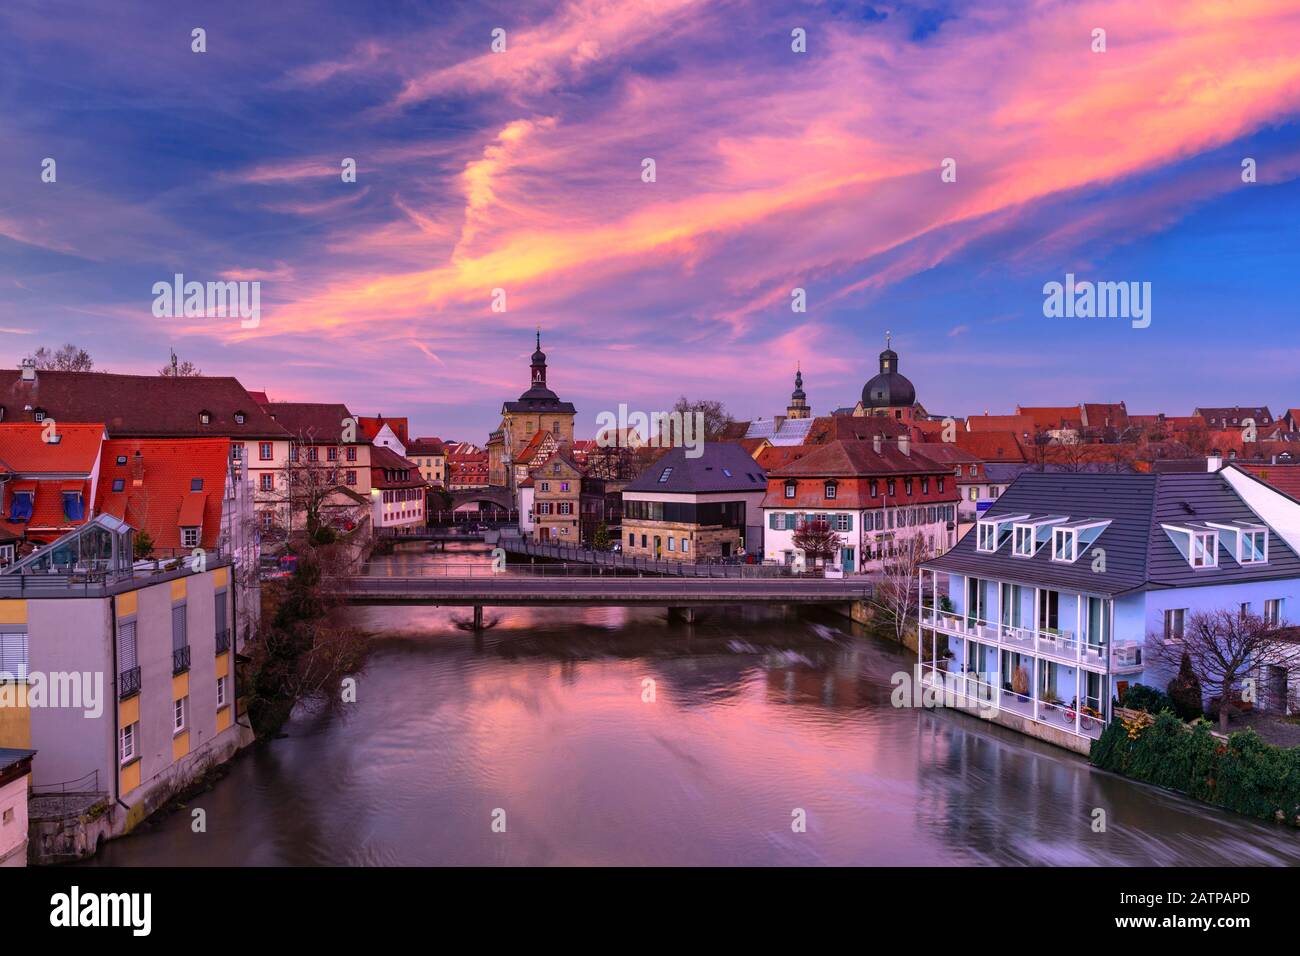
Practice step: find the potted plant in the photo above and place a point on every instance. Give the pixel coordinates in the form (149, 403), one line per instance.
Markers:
(1020, 682)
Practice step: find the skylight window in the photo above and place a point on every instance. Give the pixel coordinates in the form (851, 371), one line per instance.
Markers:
(667, 473)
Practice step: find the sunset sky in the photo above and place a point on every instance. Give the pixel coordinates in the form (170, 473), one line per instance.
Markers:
(522, 170)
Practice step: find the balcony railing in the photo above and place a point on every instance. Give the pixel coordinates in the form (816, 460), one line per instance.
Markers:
(1054, 642)
(128, 683)
(223, 640)
(180, 659)
(974, 691)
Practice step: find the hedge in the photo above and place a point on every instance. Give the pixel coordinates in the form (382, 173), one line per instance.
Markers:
(1245, 774)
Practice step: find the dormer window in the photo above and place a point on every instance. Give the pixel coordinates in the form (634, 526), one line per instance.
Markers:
(239, 418)
(1071, 540)
(1029, 536)
(20, 507)
(830, 489)
(205, 418)
(991, 533)
(1247, 541)
(73, 508)
(1197, 542)
(38, 414)
(789, 489)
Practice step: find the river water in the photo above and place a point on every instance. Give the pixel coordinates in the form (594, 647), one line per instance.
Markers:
(759, 717)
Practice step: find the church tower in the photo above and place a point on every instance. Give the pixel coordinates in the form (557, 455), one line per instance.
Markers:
(798, 407)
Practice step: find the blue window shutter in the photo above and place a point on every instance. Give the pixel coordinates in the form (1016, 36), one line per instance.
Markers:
(771, 521)
(850, 517)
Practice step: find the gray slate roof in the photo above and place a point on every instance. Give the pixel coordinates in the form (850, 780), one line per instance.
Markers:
(1139, 553)
(708, 473)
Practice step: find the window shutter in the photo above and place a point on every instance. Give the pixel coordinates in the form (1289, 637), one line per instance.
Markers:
(178, 627)
(126, 655)
(13, 655)
(850, 517)
(771, 521)
(221, 611)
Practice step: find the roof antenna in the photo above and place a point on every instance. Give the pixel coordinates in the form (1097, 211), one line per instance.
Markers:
(174, 370)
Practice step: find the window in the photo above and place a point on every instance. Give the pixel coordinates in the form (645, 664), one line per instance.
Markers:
(268, 520)
(1174, 619)
(907, 486)
(221, 692)
(566, 507)
(1205, 549)
(179, 710)
(925, 486)
(196, 484)
(843, 522)
(266, 482)
(1273, 611)
(873, 488)
(264, 450)
(332, 454)
(672, 543)
(239, 418)
(1024, 541)
(830, 489)
(205, 418)
(974, 470)
(643, 544)
(564, 486)
(974, 493)
(889, 487)
(1253, 547)
(119, 484)
(13, 655)
(121, 459)
(178, 627)
(789, 489)
(38, 414)
(351, 477)
(73, 509)
(20, 507)
(237, 451)
(546, 486)
(988, 537)
(667, 472)
(313, 453)
(352, 454)
(686, 545)
(631, 540)
(189, 537)
(127, 742)
(940, 485)
(1065, 544)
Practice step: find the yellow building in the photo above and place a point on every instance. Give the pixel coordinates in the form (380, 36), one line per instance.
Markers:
(122, 680)
(538, 409)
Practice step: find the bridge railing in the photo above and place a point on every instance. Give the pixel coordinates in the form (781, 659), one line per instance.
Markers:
(732, 568)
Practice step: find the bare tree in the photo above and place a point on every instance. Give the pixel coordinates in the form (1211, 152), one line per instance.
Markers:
(1226, 647)
(716, 416)
(309, 486)
(897, 596)
(67, 358)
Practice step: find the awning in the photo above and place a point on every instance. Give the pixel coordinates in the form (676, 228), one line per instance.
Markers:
(191, 515)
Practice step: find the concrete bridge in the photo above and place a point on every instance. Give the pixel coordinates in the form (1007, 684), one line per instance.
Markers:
(680, 595)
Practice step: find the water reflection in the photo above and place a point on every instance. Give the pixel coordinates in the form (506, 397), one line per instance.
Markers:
(756, 713)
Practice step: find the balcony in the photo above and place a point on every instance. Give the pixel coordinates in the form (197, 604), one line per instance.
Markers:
(223, 640)
(128, 683)
(1054, 643)
(973, 691)
(180, 660)
(1126, 657)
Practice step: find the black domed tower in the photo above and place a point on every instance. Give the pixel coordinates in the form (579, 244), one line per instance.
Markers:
(798, 407)
(889, 393)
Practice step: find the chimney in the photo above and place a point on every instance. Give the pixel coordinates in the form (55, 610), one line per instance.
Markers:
(1213, 463)
(905, 444)
(137, 470)
(29, 370)
(875, 443)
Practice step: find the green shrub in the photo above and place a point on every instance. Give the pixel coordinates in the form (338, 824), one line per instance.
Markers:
(1185, 692)
(1142, 697)
(1245, 774)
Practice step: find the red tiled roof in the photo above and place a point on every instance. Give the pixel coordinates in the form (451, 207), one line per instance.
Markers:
(383, 460)
(1049, 417)
(24, 449)
(371, 426)
(991, 446)
(313, 422)
(139, 406)
(848, 459)
(1285, 478)
(163, 500)
(1018, 424)
(778, 456)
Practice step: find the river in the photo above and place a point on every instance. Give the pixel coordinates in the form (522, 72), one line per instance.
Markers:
(759, 717)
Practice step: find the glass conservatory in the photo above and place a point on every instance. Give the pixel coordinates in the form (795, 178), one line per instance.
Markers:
(102, 546)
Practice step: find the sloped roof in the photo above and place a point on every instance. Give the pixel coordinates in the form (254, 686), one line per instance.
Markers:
(384, 459)
(1018, 424)
(828, 428)
(139, 406)
(778, 456)
(165, 497)
(1049, 417)
(853, 459)
(372, 426)
(1138, 551)
(991, 446)
(24, 450)
(790, 431)
(722, 466)
(425, 446)
(314, 421)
